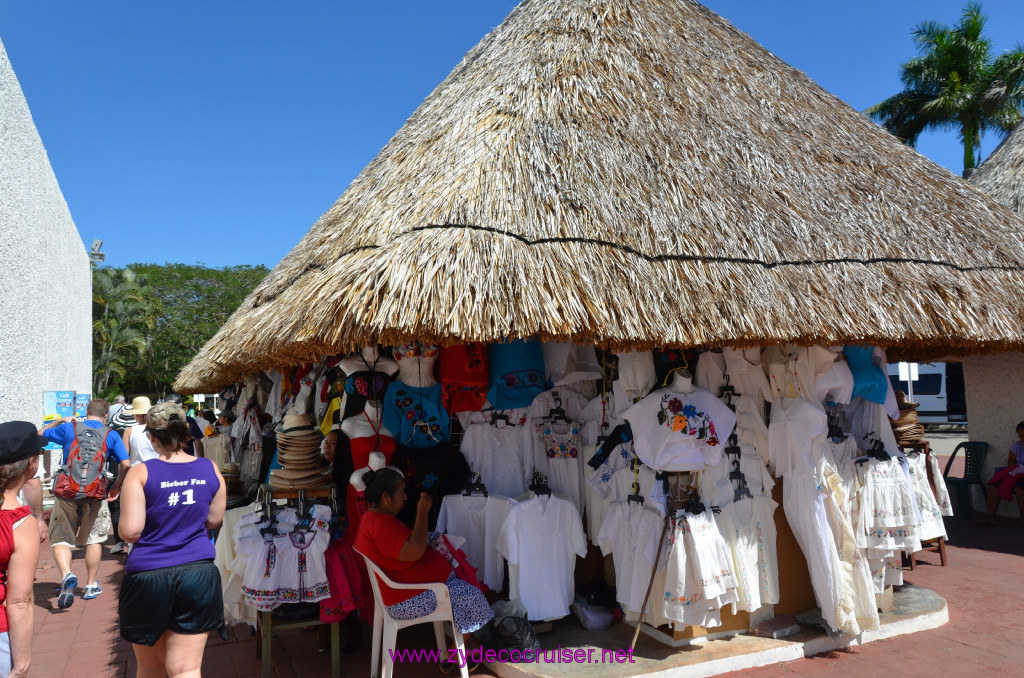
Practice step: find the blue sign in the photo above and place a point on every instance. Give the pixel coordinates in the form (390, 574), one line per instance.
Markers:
(58, 404)
(81, 403)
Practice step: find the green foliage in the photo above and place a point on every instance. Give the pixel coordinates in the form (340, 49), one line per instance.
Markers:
(150, 320)
(195, 302)
(124, 313)
(955, 84)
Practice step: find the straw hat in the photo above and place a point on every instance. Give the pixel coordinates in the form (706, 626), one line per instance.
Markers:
(140, 405)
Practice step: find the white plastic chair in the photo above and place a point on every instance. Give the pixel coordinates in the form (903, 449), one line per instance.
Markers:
(385, 628)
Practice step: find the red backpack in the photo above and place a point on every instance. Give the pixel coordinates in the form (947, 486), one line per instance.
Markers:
(82, 476)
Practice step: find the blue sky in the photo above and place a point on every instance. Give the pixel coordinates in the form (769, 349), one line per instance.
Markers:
(218, 132)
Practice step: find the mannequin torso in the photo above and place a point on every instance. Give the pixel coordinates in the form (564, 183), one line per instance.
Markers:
(417, 371)
(682, 383)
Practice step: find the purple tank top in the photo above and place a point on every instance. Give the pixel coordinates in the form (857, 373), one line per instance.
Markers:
(178, 500)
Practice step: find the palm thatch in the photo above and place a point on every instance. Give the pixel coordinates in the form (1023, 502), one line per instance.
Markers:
(636, 173)
(1001, 176)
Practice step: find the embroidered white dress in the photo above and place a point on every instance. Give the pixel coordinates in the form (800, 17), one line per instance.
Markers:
(479, 520)
(748, 527)
(699, 578)
(630, 534)
(680, 432)
(558, 454)
(302, 568)
(931, 526)
(503, 456)
(540, 540)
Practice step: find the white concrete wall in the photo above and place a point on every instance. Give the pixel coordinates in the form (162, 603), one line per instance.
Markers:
(995, 404)
(44, 269)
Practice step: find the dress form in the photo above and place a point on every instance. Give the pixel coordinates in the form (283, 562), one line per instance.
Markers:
(368, 359)
(367, 423)
(417, 371)
(682, 382)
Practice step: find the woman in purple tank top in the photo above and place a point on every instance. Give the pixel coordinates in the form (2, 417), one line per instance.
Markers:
(171, 594)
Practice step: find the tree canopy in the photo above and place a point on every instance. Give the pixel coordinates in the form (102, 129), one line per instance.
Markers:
(164, 316)
(956, 84)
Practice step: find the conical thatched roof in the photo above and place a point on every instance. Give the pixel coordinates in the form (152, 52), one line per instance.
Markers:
(636, 173)
(1001, 176)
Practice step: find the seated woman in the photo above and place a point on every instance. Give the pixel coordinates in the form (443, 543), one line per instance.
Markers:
(405, 557)
(1008, 482)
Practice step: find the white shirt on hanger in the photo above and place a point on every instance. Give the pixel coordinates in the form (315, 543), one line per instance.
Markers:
(479, 520)
(542, 537)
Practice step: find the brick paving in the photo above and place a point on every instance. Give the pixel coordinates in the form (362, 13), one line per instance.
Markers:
(985, 608)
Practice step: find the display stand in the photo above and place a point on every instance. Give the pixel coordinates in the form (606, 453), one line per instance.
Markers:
(265, 623)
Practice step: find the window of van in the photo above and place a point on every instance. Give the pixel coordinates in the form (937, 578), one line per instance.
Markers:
(928, 384)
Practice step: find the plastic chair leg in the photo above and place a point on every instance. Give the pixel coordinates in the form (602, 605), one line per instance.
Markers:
(376, 643)
(390, 641)
(460, 648)
(439, 637)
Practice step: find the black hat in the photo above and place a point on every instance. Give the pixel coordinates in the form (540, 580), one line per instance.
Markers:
(19, 440)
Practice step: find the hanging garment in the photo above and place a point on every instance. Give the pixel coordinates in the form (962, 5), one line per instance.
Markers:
(503, 456)
(462, 370)
(516, 373)
(540, 540)
(479, 520)
(557, 453)
(835, 387)
(617, 486)
(931, 525)
(746, 373)
(680, 432)
(231, 572)
(718, 489)
(302, 568)
(636, 374)
(415, 415)
(792, 370)
(869, 381)
(748, 527)
(572, 402)
(751, 431)
(630, 533)
(440, 470)
(344, 581)
(699, 574)
(939, 485)
(859, 611)
(710, 371)
(567, 363)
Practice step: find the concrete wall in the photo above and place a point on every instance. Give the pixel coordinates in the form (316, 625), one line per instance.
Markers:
(44, 268)
(995, 404)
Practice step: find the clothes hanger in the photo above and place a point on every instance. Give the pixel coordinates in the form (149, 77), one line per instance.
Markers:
(475, 485)
(540, 484)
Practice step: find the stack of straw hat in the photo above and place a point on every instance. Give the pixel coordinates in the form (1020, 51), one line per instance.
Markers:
(298, 451)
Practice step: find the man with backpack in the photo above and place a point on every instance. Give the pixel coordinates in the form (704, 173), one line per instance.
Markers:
(80, 490)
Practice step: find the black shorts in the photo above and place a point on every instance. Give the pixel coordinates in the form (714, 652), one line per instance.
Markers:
(184, 598)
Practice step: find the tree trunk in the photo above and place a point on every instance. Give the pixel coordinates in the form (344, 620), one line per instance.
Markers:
(971, 141)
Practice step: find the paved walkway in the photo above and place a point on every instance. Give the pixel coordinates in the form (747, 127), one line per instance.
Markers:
(980, 585)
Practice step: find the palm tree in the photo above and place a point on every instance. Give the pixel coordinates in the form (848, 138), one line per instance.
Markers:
(956, 85)
(124, 314)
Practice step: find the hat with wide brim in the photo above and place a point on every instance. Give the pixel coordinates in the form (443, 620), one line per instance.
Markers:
(123, 419)
(140, 405)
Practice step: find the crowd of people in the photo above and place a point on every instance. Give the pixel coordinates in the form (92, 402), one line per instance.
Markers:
(135, 470)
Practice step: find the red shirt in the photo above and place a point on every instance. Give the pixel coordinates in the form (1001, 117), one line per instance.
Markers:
(7, 520)
(380, 538)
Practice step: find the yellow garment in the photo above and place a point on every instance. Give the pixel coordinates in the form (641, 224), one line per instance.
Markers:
(325, 425)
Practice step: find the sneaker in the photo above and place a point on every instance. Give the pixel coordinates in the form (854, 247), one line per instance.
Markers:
(117, 548)
(91, 591)
(67, 591)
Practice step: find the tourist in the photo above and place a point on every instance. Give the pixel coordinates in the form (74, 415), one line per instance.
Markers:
(74, 523)
(20, 447)
(171, 594)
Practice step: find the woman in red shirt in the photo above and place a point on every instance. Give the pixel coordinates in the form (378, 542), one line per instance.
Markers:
(405, 556)
(20, 447)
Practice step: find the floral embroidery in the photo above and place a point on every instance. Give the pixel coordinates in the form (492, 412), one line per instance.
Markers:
(429, 480)
(422, 422)
(271, 558)
(560, 449)
(302, 562)
(523, 379)
(686, 419)
(366, 386)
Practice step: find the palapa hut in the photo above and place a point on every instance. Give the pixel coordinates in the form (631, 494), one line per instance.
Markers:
(993, 409)
(636, 173)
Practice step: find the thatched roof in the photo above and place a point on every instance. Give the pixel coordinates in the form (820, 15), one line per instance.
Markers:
(636, 173)
(1001, 176)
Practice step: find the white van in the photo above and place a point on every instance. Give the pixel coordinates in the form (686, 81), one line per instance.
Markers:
(939, 389)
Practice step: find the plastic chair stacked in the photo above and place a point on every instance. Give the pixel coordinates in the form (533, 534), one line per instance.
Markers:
(385, 628)
(974, 460)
